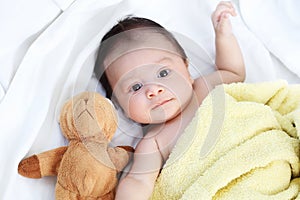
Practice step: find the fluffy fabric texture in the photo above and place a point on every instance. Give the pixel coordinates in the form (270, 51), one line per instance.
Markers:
(242, 144)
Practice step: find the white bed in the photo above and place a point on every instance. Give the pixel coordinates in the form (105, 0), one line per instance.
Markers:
(47, 54)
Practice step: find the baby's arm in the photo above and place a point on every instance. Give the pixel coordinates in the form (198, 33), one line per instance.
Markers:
(229, 60)
(139, 182)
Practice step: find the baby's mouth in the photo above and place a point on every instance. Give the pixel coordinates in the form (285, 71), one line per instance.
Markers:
(161, 103)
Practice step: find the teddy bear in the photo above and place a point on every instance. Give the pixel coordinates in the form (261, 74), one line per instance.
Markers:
(88, 167)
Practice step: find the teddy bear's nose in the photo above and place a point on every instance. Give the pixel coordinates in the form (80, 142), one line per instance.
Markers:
(86, 100)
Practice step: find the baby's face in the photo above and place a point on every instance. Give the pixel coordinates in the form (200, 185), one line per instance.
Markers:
(151, 85)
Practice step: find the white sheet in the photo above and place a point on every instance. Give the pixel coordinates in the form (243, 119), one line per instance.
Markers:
(276, 24)
(52, 59)
(17, 34)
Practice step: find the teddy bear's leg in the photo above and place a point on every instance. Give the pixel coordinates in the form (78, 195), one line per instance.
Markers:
(108, 196)
(63, 194)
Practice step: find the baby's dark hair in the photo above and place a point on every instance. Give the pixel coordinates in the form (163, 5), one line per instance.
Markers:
(110, 39)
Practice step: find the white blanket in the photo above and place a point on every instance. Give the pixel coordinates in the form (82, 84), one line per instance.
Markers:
(47, 53)
(276, 24)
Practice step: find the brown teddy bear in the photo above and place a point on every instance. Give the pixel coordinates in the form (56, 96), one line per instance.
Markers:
(87, 168)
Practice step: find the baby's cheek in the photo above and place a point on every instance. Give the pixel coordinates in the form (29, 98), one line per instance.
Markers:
(136, 110)
(180, 84)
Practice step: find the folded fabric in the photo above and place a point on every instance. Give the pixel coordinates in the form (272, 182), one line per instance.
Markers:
(276, 24)
(242, 144)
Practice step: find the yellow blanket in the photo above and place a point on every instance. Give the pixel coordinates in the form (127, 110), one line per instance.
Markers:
(242, 144)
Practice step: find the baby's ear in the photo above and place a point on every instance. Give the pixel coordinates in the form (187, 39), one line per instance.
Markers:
(186, 62)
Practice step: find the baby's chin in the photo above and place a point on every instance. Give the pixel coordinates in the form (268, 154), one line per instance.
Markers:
(161, 116)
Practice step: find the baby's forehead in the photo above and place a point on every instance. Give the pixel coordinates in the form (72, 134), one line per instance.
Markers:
(137, 39)
(141, 61)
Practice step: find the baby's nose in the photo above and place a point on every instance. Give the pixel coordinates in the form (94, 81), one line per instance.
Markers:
(154, 90)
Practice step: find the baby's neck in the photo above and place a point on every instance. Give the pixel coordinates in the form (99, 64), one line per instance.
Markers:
(166, 134)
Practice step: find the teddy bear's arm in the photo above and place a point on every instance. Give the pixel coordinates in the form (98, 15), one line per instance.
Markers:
(43, 164)
(120, 156)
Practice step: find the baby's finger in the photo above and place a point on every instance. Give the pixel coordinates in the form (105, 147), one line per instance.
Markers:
(224, 25)
(224, 15)
(226, 3)
(217, 14)
(225, 6)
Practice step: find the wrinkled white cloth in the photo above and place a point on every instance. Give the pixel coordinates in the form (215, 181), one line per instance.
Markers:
(276, 24)
(21, 22)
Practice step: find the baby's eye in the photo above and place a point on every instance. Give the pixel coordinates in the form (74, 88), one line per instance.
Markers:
(163, 73)
(136, 87)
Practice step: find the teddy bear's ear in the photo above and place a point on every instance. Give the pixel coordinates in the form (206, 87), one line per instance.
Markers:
(66, 119)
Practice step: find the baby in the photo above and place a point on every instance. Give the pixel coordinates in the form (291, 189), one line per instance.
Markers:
(145, 70)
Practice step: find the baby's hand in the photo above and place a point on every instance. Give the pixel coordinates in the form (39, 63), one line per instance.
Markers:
(220, 18)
